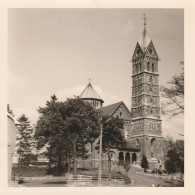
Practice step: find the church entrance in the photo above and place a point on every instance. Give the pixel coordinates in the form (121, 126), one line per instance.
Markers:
(121, 158)
(134, 157)
(127, 158)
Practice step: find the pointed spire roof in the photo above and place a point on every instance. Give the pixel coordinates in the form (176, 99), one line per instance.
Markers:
(90, 93)
(144, 40)
(145, 44)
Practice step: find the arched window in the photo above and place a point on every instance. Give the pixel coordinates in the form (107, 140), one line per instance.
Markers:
(136, 68)
(121, 158)
(137, 141)
(152, 155)
(148, 66)
(140, 67)
(134, 157)
(127, 157)
(152, 67)
(152, 141)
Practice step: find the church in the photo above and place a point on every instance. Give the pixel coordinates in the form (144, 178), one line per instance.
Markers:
(143, 124)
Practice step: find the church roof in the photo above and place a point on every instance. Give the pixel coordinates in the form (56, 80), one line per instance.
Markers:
(144, 40)
(110, 109)
(90, 93)
(129, 146)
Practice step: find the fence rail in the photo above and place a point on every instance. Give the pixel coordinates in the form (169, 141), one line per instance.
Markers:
(92, 178)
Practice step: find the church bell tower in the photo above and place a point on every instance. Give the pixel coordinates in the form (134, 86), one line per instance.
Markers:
(146, 127)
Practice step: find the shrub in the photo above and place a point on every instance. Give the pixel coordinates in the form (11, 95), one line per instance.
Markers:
(144, 163)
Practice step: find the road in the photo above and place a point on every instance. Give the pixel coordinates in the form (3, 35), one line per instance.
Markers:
(148, 181)
(138, 181)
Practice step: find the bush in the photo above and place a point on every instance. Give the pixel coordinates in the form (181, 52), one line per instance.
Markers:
(55, 171)
(164, 171)
(160, 171)
(154, 171)
(144, 163)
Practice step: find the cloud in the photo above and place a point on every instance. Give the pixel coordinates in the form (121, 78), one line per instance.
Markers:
(173, 127)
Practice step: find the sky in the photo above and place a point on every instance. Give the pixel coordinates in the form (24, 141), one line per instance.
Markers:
(56, 51)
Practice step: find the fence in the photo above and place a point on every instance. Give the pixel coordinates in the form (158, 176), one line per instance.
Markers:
(83, 180)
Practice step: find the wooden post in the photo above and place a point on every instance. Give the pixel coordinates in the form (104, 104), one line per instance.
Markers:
(100, 158)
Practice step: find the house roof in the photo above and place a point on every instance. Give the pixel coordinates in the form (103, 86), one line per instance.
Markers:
(90, 93)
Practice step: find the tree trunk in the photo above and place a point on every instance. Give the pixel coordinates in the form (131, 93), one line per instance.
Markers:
(74, 159)
(109, 164)
(94, 155)
(59, 164)
(36, 160)
(68, 162)
(91, 163)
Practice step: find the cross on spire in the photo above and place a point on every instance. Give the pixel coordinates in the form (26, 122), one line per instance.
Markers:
(144, 20)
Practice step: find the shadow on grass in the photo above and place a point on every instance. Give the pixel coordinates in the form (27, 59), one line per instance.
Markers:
(55, 182)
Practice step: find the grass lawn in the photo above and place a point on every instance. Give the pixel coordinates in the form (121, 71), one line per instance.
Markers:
(29, 171)
(41, 171)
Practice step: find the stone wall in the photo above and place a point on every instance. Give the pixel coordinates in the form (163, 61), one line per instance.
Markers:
(11, 128)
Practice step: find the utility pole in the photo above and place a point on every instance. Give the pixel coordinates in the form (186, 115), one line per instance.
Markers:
(100, 153)
(100, 157)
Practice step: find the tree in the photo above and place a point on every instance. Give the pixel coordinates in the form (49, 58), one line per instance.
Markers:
(9, 110)
(50, 133)
(112, 136)
(174, 95)
(24, 139)
(63, 128)
(80, 120)
(93, 131)
(144, 163)
(174, 155)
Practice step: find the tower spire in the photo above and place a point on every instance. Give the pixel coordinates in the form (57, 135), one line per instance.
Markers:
(144, 21)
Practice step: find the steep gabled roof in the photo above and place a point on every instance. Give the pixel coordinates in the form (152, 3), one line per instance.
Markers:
(90, 93)
(144, 40)
(144, 44)
(108, 110)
